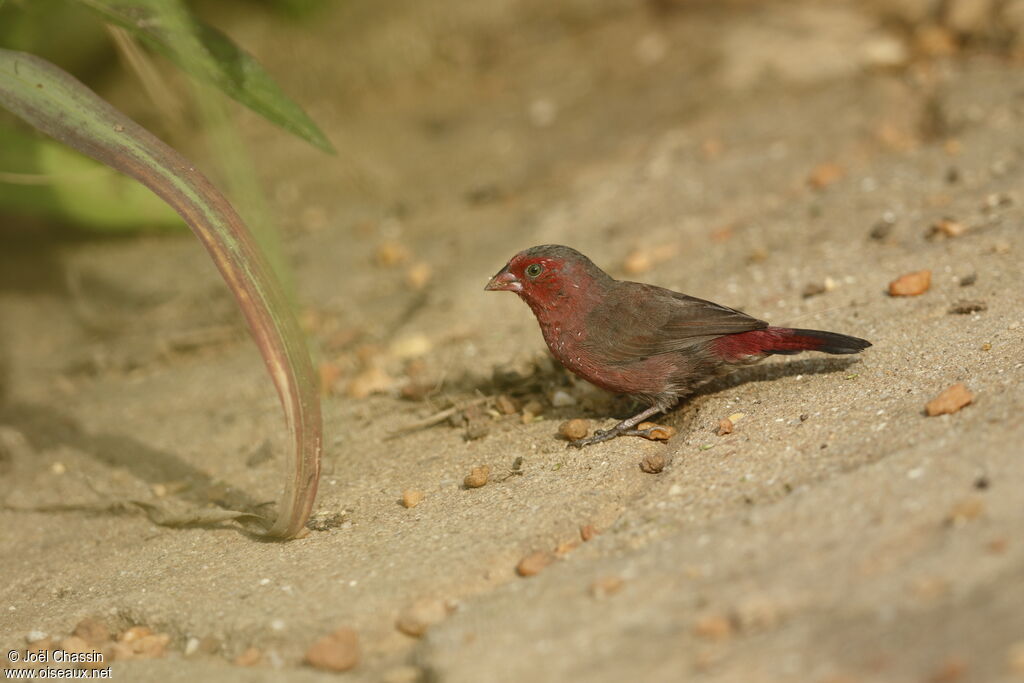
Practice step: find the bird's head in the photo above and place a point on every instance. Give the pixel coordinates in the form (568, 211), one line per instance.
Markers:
(543, 275)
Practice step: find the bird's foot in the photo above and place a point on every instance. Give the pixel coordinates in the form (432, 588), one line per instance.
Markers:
(598, 436)
(652, 431)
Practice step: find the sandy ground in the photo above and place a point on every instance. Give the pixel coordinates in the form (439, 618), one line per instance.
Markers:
(741, 155)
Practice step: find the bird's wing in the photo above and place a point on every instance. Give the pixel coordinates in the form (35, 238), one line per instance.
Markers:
(635, 320)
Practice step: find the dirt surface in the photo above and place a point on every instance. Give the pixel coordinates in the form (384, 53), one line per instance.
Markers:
(787, 159)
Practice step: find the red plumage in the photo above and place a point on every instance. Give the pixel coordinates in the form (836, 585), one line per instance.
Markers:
(645, 341)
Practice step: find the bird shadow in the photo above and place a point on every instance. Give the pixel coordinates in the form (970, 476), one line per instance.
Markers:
(770, 372)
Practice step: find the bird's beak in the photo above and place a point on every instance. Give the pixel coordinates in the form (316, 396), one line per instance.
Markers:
(504, 281)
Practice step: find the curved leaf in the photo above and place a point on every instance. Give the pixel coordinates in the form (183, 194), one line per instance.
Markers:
(206, 53)
(57, 104)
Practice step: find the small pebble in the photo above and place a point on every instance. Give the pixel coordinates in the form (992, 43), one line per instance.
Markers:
(534, 563)
(411, 498)
(420, 616)
(605, 586)
(653, 464)
(824, 175)
(338, 651)
(531, 411)
(588, 531)
(949, 401)
(505, 405)
(946, 227)
(574, 429)
(813, 289)
(713, 627)
(134, 633)
(968, 280)
(152, 646)
(566, 547)
(477, 477)
(725, 426)
(391, 254)
(250, 657)
(911, 284)
(418, 275)
(658, 432)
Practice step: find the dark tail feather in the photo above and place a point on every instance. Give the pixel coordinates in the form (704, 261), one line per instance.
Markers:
(783, 340)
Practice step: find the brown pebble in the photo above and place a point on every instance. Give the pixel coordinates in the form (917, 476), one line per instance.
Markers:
(911, 284)
(573, 430)
(152, 646)
(418, 276)
(251, 657)
(713, 627)
(998, 546)
(421, 615)
(949, 401)
(390, 254)
(92, 631)
(825, 174)
(338, 651)
(588, 531)
(813, 289)
(605, 586)
(134, 633)
(566, 547)
(653, 463)
(533, 407)
(411, 498)
(725, 426)
(477, 477)
(946, 227)
(505, 405)
(533, 563)
(657, 432)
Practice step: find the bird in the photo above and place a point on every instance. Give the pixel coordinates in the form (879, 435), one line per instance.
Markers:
(647, 342)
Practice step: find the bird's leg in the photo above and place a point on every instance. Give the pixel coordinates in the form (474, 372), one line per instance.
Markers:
(623, 428)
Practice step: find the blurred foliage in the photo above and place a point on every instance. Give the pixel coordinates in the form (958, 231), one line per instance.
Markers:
(55, 182)
(37, 178)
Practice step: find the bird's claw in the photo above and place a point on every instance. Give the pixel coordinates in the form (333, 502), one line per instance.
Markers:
(598, 436)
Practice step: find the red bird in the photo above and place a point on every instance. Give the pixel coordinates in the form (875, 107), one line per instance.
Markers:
(648, 342)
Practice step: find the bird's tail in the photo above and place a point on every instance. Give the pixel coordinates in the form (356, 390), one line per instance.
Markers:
(785, 340)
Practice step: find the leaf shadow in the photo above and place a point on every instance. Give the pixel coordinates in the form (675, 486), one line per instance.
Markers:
(45, 428)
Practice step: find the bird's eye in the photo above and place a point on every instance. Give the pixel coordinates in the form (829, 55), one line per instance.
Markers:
(533, 270)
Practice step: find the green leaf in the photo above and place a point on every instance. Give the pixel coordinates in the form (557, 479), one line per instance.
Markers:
(55, 103)
(204, 52)
(40, 177)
